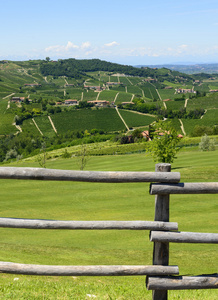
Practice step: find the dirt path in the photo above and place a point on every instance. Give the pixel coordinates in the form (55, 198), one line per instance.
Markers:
(97, 96)
(8, 96)
(37, 126)
(143, 94)
(133, 95)
(81, 97)
(52, 124)
(9, 105)
(129, 81)
(164, 104)
(140, 113)
(186, 102)
(204, 113)
(18, 127)
(115, 98)
(66, 81)
(46, 79)
(126, 89)
(182, 127)
(121, 118)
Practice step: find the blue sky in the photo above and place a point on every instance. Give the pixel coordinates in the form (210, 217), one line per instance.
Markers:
(123, 31)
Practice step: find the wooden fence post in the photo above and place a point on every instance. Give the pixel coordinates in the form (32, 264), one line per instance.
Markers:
(161, 250)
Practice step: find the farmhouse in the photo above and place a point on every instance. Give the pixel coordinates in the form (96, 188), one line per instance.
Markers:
(146, 135)
(184, 91)
(17, 99)
(100, 103)
(92, 87)
(71, 102)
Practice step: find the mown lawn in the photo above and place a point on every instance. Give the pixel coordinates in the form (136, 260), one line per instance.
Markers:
(94, 201)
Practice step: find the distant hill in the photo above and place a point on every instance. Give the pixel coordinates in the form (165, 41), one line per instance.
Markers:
(77, 68)
(188, 69)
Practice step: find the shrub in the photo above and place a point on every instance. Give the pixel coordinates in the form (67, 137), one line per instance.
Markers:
(207, 144)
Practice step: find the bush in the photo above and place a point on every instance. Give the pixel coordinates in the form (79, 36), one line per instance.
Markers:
(207, 144)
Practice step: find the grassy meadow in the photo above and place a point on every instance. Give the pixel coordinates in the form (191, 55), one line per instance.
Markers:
(100, 201)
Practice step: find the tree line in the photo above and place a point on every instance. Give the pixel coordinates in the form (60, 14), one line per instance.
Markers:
(77, 69)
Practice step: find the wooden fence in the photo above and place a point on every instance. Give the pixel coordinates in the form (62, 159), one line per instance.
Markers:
(160, 276)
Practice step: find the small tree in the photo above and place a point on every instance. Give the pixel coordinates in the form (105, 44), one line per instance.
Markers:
(83, 157)
(207, 144)
(163, 146)
(42, 157)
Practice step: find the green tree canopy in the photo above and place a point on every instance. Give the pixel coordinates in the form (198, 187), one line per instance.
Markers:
(163, 144)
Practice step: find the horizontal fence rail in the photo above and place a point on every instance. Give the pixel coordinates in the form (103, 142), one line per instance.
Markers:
(184, 188)
(46, 270)
(160, 276)
(184, 237)
(95, 225)
(87, 176)
(183, 282)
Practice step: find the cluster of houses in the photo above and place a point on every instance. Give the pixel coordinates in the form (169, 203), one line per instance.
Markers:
(17, 99)
(97, 103)
(99, 88)
(184, 91)
(146, 135)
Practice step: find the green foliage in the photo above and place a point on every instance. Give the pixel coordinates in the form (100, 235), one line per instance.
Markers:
(66, 154)
(42, 157)
(163, 146)
(106, 119)
(83, 156)
(134, 119)
(207, 144)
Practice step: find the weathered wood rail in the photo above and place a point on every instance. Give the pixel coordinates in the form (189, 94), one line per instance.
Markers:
(160, 276)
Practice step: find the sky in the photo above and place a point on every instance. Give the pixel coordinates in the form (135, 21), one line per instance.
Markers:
(136, 32)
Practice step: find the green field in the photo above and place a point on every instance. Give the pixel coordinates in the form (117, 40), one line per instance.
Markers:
(209, 119)
(167, 93)
(123, 97)
(95, 201)
(107, 95)
(105, 119)
(211, 101)
(6, 119)
(135, 119)
(175, 105)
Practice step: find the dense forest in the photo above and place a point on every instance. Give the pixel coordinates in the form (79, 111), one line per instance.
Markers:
(76, 69)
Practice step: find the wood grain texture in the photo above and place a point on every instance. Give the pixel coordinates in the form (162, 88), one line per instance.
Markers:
(87, 176)
(183, 282)
(87, 225)
(184, 188)
(46, 270)
(184, 237)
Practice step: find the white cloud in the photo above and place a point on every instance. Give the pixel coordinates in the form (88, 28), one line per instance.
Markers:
(85, 45)
(70, 45)
(109, 51)
(111, 44)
